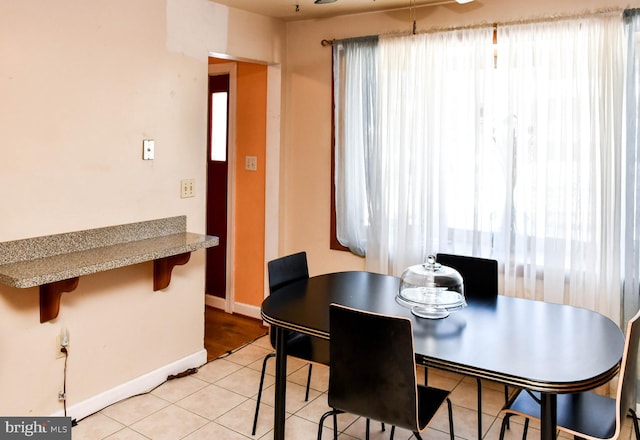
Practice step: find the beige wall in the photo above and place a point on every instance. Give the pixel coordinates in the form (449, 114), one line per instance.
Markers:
(82, 84)
(307, 148)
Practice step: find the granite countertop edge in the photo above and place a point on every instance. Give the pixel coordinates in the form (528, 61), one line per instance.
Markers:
(50, 269)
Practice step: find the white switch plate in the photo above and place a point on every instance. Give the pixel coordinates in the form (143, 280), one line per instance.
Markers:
(148, 147)
(251, 163)
(187, 188)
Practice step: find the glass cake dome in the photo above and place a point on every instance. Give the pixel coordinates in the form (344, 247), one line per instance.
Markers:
(431, 290)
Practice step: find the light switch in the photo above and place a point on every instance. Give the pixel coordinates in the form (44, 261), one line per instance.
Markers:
(148, 146)
(251, 163)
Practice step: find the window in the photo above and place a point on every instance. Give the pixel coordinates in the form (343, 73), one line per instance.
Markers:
(219, 105)
(441, 148)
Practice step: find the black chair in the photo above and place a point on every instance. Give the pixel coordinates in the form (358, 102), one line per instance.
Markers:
(480, 277)
(283, 271)
(589, 415)
(373, 373)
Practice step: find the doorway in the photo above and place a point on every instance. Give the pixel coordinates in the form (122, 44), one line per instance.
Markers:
(253, 164)
(217, 183)
(221, 176)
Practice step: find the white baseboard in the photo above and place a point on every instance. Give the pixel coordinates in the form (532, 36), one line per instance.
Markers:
(239, 308)
(247, 310)
(214, 301)
(139, 385)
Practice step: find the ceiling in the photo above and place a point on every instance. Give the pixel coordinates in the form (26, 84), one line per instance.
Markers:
(306, 9)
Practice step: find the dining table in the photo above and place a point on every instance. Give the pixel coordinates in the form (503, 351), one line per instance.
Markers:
(540, 346)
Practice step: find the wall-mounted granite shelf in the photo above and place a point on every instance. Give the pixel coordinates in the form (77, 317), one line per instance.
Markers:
(56, 262)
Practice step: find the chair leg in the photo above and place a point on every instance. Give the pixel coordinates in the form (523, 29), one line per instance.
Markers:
(503, 426)
(321, 423)
(367, 423)
(635, 423)
(382, 427)
(334, 413)
(526, 429)
(306, 396)
(506, 399)
(479, 408)
(450, 410)
(417, 434)
(393, 431)
(264, 367)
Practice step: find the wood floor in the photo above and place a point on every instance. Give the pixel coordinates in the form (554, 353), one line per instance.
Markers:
(224, 332)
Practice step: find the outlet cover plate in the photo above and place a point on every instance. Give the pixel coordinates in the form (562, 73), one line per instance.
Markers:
(148, 149)
(187, 188)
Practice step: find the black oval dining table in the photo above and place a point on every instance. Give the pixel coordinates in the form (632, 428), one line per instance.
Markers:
(540, 346)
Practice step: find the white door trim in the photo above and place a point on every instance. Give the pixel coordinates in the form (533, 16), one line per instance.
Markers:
(272, 173)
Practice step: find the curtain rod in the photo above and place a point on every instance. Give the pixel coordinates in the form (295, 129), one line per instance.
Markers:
(548, 18)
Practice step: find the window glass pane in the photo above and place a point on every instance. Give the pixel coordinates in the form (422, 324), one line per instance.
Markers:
(219, 126)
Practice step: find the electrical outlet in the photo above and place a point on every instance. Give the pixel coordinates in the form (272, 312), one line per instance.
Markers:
(187, 188)
(62, 396)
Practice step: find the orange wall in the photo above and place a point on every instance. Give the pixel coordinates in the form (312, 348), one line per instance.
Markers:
(251, 126)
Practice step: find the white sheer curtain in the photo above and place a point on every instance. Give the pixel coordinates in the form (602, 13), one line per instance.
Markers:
(430, 130)
(562, 139)
(354, 68)
(631, 242)
(518, 161)
(631, 274)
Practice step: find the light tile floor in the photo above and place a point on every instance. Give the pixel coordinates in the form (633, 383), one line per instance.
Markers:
(218, 402)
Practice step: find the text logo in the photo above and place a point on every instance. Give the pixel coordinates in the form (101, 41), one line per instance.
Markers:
(41, 428)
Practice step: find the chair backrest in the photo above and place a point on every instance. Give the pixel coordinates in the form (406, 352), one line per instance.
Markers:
(288, 269)
(626, 394)
(480, 275)
(285, 270)
(372, 366)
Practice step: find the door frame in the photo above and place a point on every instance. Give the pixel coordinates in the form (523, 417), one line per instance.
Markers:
(227, 304)
(273, 217)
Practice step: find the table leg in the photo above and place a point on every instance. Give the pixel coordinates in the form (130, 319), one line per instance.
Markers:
(281, 384)
(548, 416)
